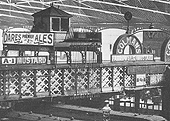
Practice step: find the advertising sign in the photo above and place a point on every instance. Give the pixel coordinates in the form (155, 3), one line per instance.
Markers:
(128, 58)
(45, 39)
(25, 60)
(165, 51)
(125, 40)
(141, 80)
(150, 69)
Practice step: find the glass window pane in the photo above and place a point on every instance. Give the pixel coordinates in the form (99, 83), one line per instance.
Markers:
(55, 24)
(64, 24)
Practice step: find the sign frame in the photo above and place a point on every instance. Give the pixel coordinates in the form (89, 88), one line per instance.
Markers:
(125, 40)
(28, 38)
(24, 60)
(165, 50)
(147, 69)
(132, 57)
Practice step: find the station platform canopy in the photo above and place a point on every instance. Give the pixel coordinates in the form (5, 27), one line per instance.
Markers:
(90, 13)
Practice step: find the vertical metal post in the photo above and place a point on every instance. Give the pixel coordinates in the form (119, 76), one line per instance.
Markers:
(52, 57)
(123, 83)
(124, 106)
(49, 81)
(4, 84)
(68, 54)
(130, 105)
(35, 76)
(76, 78)
(88, 78)
(20, 79)
(35, 94)
(134, 80)
(137, 101)
(83, 54)
(5, 51)
(21, 53)
(112, 77)
(101, 78)
(127, 31)
(128, 17)
(70, 60)
(1, 84)
(62, 91)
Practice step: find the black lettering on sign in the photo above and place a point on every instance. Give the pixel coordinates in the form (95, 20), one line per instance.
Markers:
(8, 61)
(135, 46)
(32, 60)
(12, 38)
(50, 38)
(27, 60)
(28, 38)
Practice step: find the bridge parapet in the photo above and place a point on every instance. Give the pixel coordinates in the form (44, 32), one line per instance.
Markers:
(79, 83)
(40, 81)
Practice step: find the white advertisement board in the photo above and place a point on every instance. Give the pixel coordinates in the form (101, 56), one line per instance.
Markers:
(25, 60)
(138, 57)
(45, 39)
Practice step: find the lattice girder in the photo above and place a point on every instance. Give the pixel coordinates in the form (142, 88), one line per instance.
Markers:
(94, 78)
(70, 81)
(129, 80)
(42, 82)
(2, 83)
(56, 82)
(118, 77)
(9, 83)
(107, 77)
(82, 80)
(27, 83)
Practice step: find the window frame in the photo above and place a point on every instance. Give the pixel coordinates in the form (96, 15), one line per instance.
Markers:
(60, 27)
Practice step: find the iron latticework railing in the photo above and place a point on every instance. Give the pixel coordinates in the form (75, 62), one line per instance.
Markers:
(67, 81)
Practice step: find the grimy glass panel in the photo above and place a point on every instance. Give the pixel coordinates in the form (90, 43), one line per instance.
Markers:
(64, 24)
(56, 24)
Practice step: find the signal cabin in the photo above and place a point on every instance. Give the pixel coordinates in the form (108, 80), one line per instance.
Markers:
(51, 31)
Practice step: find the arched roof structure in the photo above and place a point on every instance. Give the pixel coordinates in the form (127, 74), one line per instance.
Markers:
(90, 13)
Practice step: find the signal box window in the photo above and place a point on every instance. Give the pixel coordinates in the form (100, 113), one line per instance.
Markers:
(64, 24)
(60, 24)
(55, 24)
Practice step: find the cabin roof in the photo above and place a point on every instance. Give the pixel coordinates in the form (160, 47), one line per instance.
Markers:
(52, 11)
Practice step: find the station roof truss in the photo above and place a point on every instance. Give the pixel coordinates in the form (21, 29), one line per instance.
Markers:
(90, 13)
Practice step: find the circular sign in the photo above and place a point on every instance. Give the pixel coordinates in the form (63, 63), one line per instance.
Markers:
(165, 50)
(125, 40)
(128, 15)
